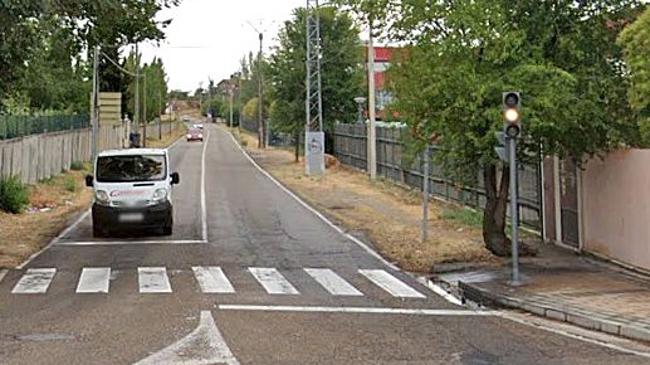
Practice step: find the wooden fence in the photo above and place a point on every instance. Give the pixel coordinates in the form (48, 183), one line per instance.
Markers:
(350, 148)
(38, 157)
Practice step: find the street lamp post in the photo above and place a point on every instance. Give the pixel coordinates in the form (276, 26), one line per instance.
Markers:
(360, 100)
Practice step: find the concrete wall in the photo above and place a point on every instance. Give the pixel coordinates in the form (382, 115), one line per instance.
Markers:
(616, 207)
(37, 157)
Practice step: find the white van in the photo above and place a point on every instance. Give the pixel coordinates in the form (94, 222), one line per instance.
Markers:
(133, 190)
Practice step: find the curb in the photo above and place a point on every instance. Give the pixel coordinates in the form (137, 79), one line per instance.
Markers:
(586, 320)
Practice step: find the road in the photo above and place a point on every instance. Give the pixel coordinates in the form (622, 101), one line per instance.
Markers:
(250, 276)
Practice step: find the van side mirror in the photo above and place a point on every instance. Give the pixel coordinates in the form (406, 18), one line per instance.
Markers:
(176, 179)
(89, 181)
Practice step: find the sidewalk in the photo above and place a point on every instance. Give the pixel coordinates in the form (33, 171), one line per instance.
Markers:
(561, 285)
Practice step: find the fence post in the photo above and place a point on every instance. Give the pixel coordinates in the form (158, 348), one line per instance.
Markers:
(425, 195)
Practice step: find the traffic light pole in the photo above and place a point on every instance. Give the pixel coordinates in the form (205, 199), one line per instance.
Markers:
(512, 145)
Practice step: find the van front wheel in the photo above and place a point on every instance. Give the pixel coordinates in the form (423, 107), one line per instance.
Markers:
(98, 232)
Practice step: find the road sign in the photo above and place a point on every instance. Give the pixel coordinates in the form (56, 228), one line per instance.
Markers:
(501, 147)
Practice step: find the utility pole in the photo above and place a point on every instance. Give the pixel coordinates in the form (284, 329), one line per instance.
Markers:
(260, 102)
(231, 111)
(239, 100)
(144, 113)
(136, 112)
(160, 97)
(314, 136)
(95, 106)
(372, 140)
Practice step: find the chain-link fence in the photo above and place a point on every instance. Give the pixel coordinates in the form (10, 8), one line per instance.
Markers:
(350, 147)
(14, 126)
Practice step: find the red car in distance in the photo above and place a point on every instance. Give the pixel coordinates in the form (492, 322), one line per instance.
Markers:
(194, 134)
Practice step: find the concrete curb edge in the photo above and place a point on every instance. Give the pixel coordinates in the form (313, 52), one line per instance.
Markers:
(584, 320)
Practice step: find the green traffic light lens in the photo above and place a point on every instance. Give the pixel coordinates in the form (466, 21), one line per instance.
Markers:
(512, 130)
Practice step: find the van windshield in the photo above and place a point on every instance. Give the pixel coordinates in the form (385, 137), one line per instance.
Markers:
(131, 168)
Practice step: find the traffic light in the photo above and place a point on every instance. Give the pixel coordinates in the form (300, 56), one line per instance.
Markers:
(511, 113)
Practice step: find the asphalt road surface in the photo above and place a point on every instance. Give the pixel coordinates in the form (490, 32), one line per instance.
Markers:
(250, 276)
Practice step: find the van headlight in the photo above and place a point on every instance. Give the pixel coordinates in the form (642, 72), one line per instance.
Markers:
(102, 197)
(160, 195)
(200, 135)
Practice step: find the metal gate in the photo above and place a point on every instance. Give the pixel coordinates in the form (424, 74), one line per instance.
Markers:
(569, 203)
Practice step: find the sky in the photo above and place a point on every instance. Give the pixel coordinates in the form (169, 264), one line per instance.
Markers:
(207, 38)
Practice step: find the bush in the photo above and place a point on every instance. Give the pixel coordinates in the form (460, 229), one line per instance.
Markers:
(70, 184)
(464, 216)
(77, 166)
(14, 196)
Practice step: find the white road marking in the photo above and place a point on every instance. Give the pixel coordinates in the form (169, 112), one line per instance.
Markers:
(332, 282)
(212, 280)
(391, 284)
(204, 211)
(94, 280)
(272, 281)
(204, 346)
(363, 310)
(35, 281)
(582, 334)
(128, 242)
(440, 291)
(312, 210)
(153, 280)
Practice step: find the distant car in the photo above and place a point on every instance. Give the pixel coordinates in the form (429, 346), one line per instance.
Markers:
(198, 126)
(194, 134)
(186, 118)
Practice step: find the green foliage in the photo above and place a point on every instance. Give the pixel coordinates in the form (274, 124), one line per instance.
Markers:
(634, 40)
(250, 109)
(70, 184)
(14, 196)
(340, 69)
(562, 56)
(77, 166)
(42, 45)
(155, 97)
(464, 216)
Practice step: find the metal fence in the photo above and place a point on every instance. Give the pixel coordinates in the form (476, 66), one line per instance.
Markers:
(14, 126)
(350, 148)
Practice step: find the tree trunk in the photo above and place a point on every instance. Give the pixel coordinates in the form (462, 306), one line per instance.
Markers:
(494, 215)
(297, 150)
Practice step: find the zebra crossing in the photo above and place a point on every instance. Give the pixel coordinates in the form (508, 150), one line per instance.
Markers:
(213, 280)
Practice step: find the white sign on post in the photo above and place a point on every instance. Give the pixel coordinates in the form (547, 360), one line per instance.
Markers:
(315, 153)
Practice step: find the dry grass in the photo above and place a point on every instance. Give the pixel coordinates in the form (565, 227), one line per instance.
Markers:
(168, 139)
(388, 215)
(52, 204)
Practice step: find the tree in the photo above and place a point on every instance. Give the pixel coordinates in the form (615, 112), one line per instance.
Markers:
(27, 27)
(562, 56)
(634, 40)
(340, 69)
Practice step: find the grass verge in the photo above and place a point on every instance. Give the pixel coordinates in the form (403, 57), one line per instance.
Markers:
(52, 203)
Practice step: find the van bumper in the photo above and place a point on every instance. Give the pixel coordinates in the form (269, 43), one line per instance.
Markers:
(155, 216)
